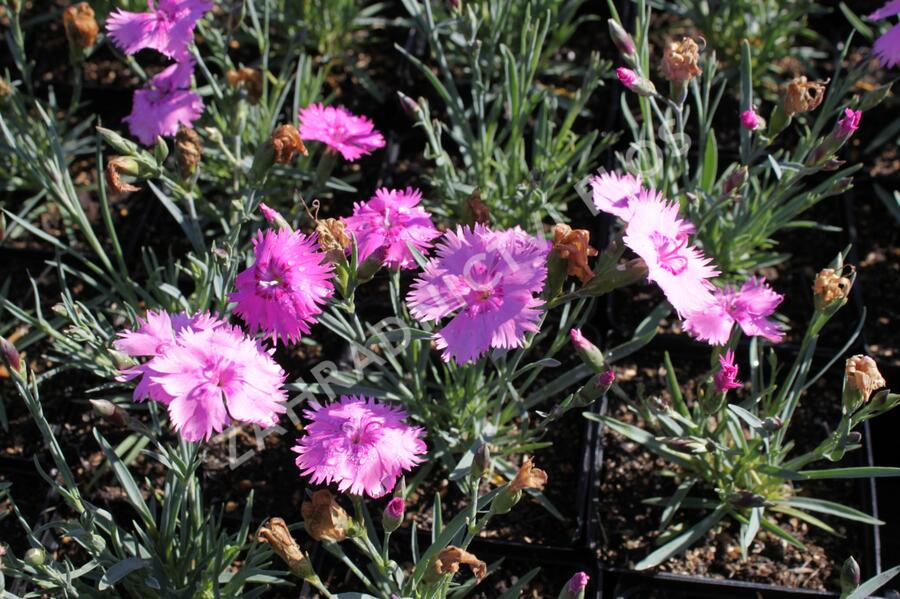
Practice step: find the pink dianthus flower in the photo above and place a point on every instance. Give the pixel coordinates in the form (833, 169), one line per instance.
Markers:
(164, 103)
(848, 125)
(750, 307)
(360, 444)
(612, 193)
(284, 289)
(488, 281)
(391, 220)
(340, 130)
(726, 378)
(887, 47)
(167, 28)
(657, 234)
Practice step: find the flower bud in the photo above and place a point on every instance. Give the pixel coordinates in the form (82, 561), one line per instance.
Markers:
(81, 27)
(621, 39)
(35, 557)
(680, 61)
(409, 106)
(160, 150)
(324, 519)
(110, 412)
(595, 388)
(573, 246)
(844, 128)
(772, 424)
(481, 462)
(750, 120)
(274, 218)
(590, 353)
(861, 379)
(735, 180)
(392, 517)
(118, 166)
(850, 576)
(119, 143)
(10, 355)
(746, 500)
(279, 538)
(635, 83)
(248, 80)
(575, 587)
(188, 152)
(371, 265)
(528, 477)
(449, 561)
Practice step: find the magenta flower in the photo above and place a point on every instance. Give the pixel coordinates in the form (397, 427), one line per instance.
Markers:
(270, 214)
(164, 104)
(577, 584)
(360, 444)
(627, 77)
(216, 376)
(660, 238)
(284, 289)
(750, 307)
(340, 130)
(167, 28)
(726, 378)
(489, 281)
(750, 120)
(612, 193)
(156, 332)
(395, 508)
(887, 47)
(391, 220)
(848, 125)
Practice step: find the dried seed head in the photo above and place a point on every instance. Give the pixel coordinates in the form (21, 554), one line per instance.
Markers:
(801, 96)
(247, 79)
(188, 152)
(121, 165)
(573, 245)
(80, 25)
(324, 519)
(449, 560)
(287, 144)
(680, 61)
(863, 376)
(279, 538)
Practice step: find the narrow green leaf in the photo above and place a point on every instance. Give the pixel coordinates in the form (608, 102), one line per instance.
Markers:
(682, 541)
(873, 584)
(830, 507)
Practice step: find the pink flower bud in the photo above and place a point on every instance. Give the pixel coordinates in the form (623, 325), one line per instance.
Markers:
(392, 517)
(576, 585)
(750, 120)
(10, 354)
(726, 378)
(607, 378)
(627, 77)
(849, 124)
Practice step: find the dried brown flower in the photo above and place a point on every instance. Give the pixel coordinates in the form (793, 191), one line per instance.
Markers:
(121, 165)
(862, 375)
(481, 214)
(6, 89)
(449, 560)
(528, 477)
(831, 285)
(278, 536)
(188, 151)
(680, 60)
(80, 25)
(287, 144)
(573, 245)
(324, 519)
(801, 96)
(250, 80)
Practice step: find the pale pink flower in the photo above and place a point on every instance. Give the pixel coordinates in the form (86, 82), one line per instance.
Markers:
(887, 47)
(360, 444)
(848, 125)
(167, 28)
(391, 220)
(750, 307)
(750, 120)
(489, 282)
(217, 376)
(660, 237)
(284, 289)
(612, 193)
(627, 77)
(726, 378)
(340, 130)
(164, 104)
(155, 333)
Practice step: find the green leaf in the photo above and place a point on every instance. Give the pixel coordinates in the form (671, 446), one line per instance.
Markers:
(674, 503)
(830, 507)
(844, 473)
(710, 162)
(873, 584)
(515, 591)
(120, 570)
(749, 530)
(682, 541)
(778, 531)
(856, 22)
(643, 334)
(641, 436)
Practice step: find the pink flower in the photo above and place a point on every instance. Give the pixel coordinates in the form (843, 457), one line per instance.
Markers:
(660, 238)
(848, 125)
(750, 120)
(270, 214)
(281, 293)
(607, 377)
(391, 220)
(579, 340)
(887, 47)
(627, 77)
(168, 28)
(750, 307)
(164, 104)
(360, 444)
(726, 378)
(395, 508)
(340, 130)
(577, 584)
(216, 376)
(489, 281)
(155, 334)
(612, 193)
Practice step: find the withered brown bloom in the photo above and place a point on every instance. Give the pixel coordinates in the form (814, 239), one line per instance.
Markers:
(250, 80)
(801, 96)
(278, 536)
(681, 61)
(573, 245)
(528, 477)
(117, 166)
(449, 560)
(188, 152)
(831, 285)
(333, 238)
(479, 211)
(323, 518)
(287, 144)
(80, 26)
(863, 375)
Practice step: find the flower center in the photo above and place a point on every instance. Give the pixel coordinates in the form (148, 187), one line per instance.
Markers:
(269, 279)
(219, 373)
(669, 252)
(362, 432)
